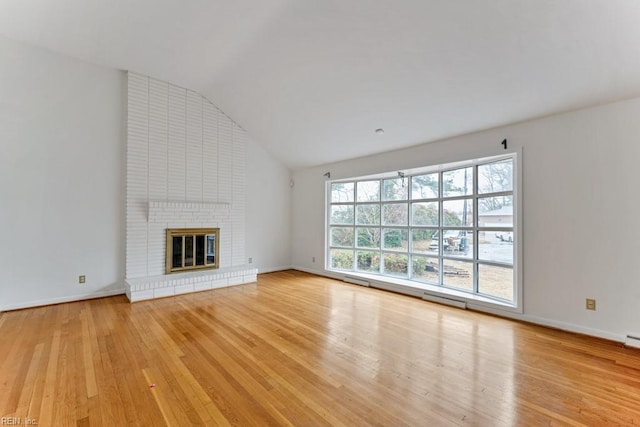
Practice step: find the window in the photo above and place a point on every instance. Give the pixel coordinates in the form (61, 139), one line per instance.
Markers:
(450, 226)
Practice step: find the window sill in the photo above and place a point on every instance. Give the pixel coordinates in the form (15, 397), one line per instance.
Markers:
(419, 289)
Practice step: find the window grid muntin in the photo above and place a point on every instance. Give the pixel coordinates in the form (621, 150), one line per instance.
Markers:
(475, 229)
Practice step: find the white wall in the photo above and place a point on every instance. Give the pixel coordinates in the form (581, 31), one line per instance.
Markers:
(268, 211)
(61, 177)
(580, 207)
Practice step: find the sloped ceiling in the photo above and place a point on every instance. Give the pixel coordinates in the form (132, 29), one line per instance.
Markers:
(312, 80)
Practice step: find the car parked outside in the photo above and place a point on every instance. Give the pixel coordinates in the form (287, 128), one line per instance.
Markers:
(458, 236)
(504, 236)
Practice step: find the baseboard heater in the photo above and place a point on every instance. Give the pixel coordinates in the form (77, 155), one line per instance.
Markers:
(632, 340)
(444, 300)
(356, 281)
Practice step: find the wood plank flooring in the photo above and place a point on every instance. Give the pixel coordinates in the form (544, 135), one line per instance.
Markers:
(301, 350)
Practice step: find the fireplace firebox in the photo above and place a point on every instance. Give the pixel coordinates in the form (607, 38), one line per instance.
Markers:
(192, 249)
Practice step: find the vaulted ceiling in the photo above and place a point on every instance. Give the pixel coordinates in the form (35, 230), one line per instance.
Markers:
(312, 80)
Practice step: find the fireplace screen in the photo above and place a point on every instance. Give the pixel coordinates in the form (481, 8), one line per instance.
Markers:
(192, 249)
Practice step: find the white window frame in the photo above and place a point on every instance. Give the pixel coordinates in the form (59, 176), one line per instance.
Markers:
(473, 298)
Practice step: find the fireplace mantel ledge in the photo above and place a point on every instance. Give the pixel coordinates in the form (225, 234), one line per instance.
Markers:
(143, 288)
(181, 206)
(166, 211)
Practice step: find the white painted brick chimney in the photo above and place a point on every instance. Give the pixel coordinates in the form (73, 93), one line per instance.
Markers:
(186, 167)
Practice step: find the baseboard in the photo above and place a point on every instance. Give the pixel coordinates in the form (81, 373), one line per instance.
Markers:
(318, 272)
(632, 340)
(274, 269)
(356, 281)
(73, 298)
(555, 324)
(400, 289)
(444, 300)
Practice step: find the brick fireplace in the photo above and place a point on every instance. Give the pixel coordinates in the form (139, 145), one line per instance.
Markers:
(186, 167)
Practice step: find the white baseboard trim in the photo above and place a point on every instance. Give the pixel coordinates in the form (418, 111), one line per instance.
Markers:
(400, 289)
(443, 300)
(60, 300)
(555, 324)
(318, 272)
(632, 340)
(570, 327)
(274, 269)
(356, 281)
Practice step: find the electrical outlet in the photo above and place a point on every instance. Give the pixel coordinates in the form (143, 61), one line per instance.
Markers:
(82, 279)
(591, 304)
(313, 259)
(250, 260)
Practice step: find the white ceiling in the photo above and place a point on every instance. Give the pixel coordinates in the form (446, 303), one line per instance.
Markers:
(312, 80)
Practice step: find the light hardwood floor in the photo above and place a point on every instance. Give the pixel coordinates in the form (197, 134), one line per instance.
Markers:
(296, 349)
